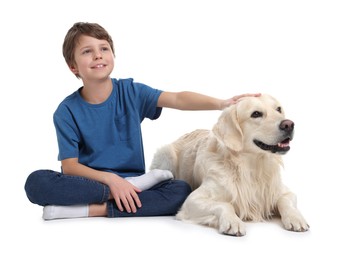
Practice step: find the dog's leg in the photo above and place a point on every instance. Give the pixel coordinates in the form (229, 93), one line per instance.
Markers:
(200, 209)
(290, 215)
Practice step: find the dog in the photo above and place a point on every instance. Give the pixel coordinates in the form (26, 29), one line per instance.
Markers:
(234, 169)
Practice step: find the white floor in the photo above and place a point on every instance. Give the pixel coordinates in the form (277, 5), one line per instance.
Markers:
(160, 238)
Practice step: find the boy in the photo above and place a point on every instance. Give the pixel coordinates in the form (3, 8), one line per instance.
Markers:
(100, 143)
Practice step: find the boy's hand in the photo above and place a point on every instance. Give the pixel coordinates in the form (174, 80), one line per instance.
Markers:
(235, 99)
(124, 194)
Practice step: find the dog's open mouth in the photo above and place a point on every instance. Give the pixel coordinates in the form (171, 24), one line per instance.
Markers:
(282, 147)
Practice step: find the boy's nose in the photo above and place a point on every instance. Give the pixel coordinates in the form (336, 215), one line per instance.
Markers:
(98, 55)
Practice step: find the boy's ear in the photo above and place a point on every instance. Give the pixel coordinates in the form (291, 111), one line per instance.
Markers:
(73, 69)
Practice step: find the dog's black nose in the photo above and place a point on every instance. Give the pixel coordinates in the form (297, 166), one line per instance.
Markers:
(286, 125)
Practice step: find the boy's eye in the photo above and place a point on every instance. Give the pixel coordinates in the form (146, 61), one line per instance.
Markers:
(105, 49)
(86, 51)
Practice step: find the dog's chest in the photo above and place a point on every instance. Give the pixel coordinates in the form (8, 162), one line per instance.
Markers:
(253, 194)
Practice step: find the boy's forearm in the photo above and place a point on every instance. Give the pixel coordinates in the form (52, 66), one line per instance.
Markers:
(73, 167)
(196, 101)
(187, 100)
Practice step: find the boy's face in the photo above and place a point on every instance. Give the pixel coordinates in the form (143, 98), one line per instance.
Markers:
(94, 59)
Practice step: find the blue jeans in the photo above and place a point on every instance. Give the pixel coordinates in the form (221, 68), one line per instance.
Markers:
(47, 187)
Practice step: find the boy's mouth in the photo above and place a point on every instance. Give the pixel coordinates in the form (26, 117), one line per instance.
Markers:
(98, 66)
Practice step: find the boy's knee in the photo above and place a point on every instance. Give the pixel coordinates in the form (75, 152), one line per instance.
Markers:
(182, 187)
(182, 190)
(34, 186)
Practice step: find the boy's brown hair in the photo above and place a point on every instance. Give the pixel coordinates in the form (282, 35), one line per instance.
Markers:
(74, 33)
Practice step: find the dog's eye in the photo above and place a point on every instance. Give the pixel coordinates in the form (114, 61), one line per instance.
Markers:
(256, 114)
(279, 110)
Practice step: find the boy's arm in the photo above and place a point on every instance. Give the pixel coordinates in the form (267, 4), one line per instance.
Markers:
(194, 101)
(123, 192)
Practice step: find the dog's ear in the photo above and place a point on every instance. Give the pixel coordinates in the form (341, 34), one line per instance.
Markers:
(227, 129)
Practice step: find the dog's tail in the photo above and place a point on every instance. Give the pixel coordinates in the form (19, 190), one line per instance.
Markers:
(165, 159)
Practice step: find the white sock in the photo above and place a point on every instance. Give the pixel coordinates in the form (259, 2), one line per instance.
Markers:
(149, 179)
(74, 211)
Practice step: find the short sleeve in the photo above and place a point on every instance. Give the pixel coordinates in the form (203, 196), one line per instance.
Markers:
(68, 137)
(148, 100)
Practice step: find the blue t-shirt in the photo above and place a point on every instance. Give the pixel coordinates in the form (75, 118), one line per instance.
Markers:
(107, 136)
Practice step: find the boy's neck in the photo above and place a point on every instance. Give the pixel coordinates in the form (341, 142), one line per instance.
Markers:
(97, 92)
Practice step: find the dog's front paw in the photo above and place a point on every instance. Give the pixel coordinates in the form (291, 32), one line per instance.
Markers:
(232, 226)
(294, 221)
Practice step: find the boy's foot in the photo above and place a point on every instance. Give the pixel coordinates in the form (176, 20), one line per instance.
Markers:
(55, 212)
(149, 179)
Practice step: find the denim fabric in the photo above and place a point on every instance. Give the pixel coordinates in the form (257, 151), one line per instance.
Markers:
(164, 199)
(47, 187)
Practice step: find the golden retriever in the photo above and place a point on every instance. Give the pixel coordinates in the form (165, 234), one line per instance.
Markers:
(234, 169)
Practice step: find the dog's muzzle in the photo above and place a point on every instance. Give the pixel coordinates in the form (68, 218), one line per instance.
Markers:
(286, 127)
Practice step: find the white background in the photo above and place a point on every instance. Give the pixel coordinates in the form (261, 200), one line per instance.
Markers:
(289, 49)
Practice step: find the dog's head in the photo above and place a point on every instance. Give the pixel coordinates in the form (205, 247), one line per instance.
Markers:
(255, 124)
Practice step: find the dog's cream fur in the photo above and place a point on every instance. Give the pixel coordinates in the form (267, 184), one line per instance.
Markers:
(233, 179)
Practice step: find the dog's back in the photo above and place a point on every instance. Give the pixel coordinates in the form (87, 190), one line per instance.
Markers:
(180, 157)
